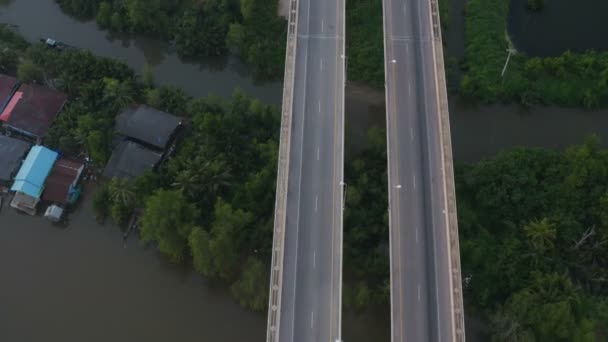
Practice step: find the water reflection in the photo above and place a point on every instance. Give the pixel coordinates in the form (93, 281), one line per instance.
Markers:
(219, 76)
(561, 25)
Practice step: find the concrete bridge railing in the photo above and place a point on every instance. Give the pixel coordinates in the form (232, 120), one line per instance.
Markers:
(448, 176)
(280, 216)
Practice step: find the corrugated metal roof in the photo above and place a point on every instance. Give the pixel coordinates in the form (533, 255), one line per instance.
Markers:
(35, 109)
(36, 167)
(60, 182)
(12, 152)
(131, 159)
(148, 125)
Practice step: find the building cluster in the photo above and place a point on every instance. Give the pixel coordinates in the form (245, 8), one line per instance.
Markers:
(144, 137)
(36, 174)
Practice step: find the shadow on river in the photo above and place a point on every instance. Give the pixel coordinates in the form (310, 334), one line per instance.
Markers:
(80, 284)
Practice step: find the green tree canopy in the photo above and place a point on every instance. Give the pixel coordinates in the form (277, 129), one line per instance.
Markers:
(168, 220)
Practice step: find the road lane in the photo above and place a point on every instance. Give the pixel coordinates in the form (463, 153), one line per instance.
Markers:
(311, 284)
(421, 303)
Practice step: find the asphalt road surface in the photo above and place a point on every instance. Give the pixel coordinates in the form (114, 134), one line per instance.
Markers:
(421, 308)
(311, 284)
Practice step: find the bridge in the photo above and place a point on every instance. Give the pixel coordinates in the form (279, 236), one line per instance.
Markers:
(306, 269)
(426, 293)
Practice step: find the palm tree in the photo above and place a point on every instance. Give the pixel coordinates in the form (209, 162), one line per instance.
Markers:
(202, 177)
(542, 234)
(119, 93)
(122, 192)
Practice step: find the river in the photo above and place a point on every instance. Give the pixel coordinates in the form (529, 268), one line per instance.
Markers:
(80, 284)
(559, 26)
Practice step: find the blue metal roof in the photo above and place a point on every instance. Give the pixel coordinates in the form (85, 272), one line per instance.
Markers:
(36, 167)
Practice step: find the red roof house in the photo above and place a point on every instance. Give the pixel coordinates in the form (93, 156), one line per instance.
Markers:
(8, 86)
(32, 109)
(61, 184)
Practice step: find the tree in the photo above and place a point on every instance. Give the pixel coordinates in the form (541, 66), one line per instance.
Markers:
(101, 203)
(97, 144)
(104, 15)
(251, 290)
(145, 15)
(29, 72)
(147, 75)
(216, 253)
(121, 194)
(200, 178)
(153, 97)
(168, 220)
(8, 59)
(119, 93)
(236, 36)
(542, 234)
(201, 254)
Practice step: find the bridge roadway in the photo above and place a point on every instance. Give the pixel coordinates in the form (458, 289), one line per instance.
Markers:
(305, 295)
(426, 302)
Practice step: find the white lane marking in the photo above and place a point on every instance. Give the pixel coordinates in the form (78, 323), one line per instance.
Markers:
(314, 259)
(318, 154)
(322, 25)
(319, 106)
(409, 90)
(393, 61)
(321, 64)
(312, 319)
(418, 292)
(412, 133)
(414, 182)
(316, 203)
(416, 234)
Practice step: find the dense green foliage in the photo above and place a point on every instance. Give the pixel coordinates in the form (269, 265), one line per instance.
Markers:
(225, 172)
(366, 225)
(11, 47)
(570, 79)
(364, 42)
(533, 228)
(199, 28)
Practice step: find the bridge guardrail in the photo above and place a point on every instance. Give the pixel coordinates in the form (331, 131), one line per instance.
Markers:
(448, 172)
(280, 216)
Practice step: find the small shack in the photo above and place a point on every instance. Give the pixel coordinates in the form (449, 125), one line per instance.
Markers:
(130, 160)
(12, 152)
(61, 186)
(148, 126)
(32, 109)
(30, 180)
